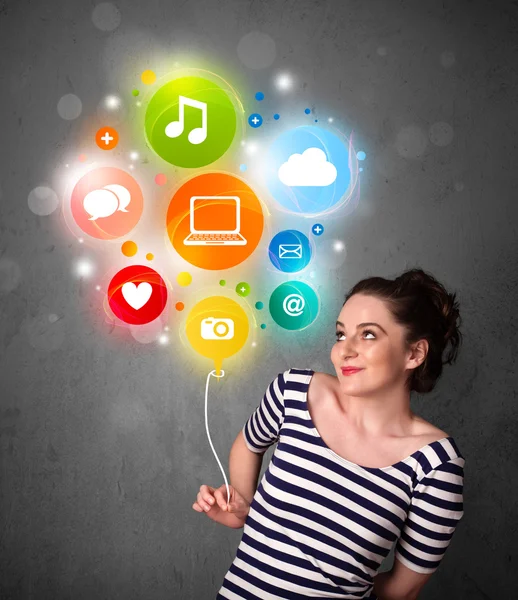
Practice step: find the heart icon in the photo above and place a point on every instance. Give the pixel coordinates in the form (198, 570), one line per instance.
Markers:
(137, 296)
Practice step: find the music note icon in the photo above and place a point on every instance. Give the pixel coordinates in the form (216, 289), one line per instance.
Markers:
(197, 135)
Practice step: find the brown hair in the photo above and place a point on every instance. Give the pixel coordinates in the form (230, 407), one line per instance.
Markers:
(419, 303)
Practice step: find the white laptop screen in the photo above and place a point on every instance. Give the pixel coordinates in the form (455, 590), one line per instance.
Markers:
(214, 214)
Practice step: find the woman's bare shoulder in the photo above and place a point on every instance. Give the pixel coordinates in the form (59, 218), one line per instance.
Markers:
(325, 379)
(322, 384)
(429, 432)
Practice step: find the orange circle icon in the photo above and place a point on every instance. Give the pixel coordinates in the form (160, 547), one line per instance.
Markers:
(107, 138)
(106, 203)
(215, 221)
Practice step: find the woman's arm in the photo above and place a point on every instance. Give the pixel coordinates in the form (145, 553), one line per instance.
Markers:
(244, 468)
(400, 583)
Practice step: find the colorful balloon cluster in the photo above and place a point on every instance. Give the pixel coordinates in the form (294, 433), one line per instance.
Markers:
(215, 219)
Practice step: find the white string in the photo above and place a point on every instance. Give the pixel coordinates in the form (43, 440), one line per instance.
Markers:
(213, 373)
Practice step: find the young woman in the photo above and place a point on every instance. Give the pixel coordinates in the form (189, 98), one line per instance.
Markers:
(355, 471)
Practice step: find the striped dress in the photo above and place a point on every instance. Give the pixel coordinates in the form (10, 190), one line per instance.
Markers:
(319, 525)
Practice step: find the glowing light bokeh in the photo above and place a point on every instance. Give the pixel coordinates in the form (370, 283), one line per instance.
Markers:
(112, 102)
(84, 268)
(284, 82)
(43, 201)
(69, 107)
(251, 148)
(256, 50)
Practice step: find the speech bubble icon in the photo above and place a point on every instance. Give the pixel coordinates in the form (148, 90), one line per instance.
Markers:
(122, 194)
(217, 327)
(100, 203)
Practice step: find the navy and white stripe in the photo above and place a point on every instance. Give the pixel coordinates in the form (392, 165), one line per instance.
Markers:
(319, 525)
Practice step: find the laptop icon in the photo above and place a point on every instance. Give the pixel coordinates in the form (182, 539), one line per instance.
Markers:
(215, 220)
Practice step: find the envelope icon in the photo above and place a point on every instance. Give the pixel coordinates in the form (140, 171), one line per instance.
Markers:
(290, 250)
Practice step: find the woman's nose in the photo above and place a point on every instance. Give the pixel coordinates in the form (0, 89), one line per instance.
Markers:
(347, 348)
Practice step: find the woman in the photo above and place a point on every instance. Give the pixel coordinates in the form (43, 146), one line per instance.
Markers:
(355, 471)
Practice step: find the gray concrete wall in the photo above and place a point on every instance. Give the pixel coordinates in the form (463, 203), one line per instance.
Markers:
(102, 438)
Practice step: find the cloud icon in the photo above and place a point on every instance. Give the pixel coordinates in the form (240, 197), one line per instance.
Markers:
(106, 201)
(309, 168)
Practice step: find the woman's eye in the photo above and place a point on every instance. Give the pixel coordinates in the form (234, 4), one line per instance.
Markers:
(340, 334)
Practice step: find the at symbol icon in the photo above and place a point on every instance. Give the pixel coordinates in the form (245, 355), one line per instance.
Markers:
(293, 305)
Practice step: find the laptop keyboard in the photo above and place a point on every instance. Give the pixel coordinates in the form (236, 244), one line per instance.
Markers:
(214, 236)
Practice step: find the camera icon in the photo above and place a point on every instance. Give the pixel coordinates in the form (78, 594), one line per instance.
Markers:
(217, 329)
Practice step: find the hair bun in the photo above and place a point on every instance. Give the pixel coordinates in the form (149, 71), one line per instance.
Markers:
(450, 310)
(415, 276)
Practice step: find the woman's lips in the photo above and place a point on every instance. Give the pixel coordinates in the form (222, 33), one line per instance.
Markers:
(350, 371)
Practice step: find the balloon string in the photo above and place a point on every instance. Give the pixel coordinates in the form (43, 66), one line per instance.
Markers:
(213, 373)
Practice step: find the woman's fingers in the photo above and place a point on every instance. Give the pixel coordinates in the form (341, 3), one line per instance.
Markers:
(201, 507)
(208, 493)
(218, 494)
(205, 501)
(209, 497)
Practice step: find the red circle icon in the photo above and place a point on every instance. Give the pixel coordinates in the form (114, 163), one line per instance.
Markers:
(137, 295)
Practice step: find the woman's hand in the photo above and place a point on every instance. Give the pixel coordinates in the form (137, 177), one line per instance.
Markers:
(214, 502)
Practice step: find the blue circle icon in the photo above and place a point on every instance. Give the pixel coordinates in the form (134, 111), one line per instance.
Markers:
(317, 229)
(255, 120)
(289, 251)
(294, 305)
(310, 170)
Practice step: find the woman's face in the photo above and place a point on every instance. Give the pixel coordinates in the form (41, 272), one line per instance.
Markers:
(378, 349)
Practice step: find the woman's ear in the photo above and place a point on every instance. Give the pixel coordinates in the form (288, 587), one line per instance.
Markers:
(418, 353)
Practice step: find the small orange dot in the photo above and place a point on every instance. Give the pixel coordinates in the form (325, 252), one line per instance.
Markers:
(129, 248)
(82, 157)
(179, 306)
(150, 256)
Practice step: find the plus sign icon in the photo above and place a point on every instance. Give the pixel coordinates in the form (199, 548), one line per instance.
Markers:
(317, 229)
(255, 120)
(242, 289)
(107, 138)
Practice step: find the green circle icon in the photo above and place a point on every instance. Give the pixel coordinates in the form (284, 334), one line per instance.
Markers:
(294, 305)
(190, 122)
(242, 289)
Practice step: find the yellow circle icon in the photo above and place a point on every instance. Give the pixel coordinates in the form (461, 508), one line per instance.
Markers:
(217, 327)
